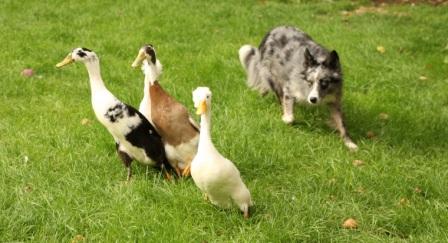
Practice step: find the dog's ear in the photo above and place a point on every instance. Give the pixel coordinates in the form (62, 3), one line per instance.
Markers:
(309, 59)
(332, 61)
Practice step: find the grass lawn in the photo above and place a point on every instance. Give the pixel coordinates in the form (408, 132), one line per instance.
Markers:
(62, 181)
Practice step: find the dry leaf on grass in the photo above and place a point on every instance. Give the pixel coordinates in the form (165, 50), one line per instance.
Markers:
(357, 162)
(370, 134)
(78, 238)
(381, 49)
(346, 13)
(332, 181)
(350, 223)
(383, 116)
(28, 188)
(403, 201)
(27, 72)
(360, 189)
(85, 121)
(423, 77)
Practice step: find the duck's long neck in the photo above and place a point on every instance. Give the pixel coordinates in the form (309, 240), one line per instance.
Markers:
(205, 138)
(96, 82)
(150, 77)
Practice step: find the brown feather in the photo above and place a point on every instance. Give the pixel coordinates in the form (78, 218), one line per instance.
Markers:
(171, 118)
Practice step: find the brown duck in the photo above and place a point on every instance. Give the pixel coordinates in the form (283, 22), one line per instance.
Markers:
(171, 119)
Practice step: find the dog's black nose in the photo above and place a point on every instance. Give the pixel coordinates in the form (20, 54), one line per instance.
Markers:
(313, 100)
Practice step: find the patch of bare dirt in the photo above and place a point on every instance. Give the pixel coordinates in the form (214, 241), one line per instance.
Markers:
(431, 2)
(381, 9)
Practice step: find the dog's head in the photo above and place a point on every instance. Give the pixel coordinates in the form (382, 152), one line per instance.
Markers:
(323, 77)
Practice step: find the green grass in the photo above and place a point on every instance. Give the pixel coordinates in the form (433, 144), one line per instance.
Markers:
(301, 177)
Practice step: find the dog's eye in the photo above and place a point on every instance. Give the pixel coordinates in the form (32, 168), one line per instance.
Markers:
(310, 83)
(324, 83)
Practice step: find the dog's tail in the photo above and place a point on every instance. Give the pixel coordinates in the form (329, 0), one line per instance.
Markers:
(250, 60)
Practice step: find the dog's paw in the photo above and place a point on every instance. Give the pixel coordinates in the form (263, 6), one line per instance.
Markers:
(288, 119)
(351, 146)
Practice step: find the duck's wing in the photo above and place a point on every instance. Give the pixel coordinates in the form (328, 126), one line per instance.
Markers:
(193, 123)
(143, 135)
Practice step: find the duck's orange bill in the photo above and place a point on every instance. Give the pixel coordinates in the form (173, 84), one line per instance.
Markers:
(139, 59)
(67, 60)
(202, 108)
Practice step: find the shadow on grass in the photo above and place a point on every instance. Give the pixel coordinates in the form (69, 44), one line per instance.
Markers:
(365, 125)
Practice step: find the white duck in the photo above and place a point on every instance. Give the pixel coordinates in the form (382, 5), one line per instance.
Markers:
(171, 119)
(135, 137)
(215, 175)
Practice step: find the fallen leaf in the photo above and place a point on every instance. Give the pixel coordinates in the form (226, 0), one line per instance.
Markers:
(350, 223)
(357, 162)
(267, 216)
(78, 238)
(423, 77)
(346, 13)
(27, 72)
(85, 121)
(381, 49)
(25, 159)
(418, 190)
(383, 116)
(403, 201)
(28, 188)
(360, 189)
(370, 134)
(345, 18)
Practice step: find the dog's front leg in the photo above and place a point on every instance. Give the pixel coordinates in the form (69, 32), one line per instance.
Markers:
(337, 117)
(288, 108)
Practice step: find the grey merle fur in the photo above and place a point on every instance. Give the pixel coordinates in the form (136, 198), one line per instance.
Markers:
(297, 69)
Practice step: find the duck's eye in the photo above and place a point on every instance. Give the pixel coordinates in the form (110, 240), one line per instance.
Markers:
(208, 96)
(81, 53)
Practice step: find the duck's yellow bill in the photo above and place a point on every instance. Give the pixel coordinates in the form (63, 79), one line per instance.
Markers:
(67, 60)
(202, 108)
(139, 59)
